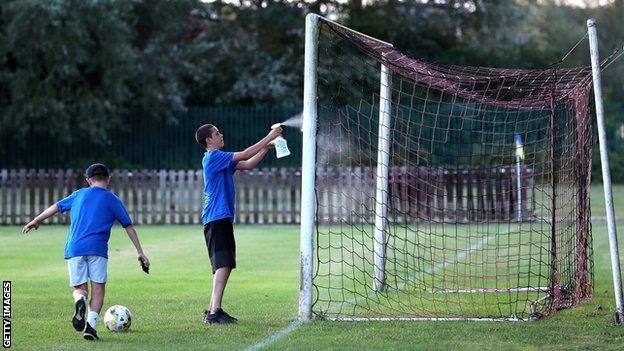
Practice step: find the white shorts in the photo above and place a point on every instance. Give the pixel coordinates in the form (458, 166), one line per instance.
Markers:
(82, 268)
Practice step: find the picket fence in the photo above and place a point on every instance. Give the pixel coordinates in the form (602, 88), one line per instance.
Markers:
(154, 196)
(273, 195)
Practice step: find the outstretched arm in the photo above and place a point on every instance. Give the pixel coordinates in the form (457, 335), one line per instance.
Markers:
(257, 147)
(253, 162)
(132, 234)
(50, 211)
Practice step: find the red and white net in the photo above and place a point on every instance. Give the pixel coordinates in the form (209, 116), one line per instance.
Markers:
(473, 229)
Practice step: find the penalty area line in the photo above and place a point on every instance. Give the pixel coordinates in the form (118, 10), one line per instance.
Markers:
(297, 323)
(273, 338)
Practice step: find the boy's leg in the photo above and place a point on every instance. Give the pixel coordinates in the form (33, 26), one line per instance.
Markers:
(80, 304)
(97, 297)
(98, 273)
(219, 281)
(221, 246)
(78, 273)
(80, 292)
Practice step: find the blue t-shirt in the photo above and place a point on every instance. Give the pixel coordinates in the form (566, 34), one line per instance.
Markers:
(93, 213)
(219, 189)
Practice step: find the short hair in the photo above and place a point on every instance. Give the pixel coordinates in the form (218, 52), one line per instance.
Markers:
(202, 133)
(97, 169)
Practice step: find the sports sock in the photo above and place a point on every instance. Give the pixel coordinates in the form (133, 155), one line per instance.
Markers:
(78, 295)
(92, 318)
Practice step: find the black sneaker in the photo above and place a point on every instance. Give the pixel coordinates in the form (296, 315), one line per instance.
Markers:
(217, 318)
(209, 318)
(90, 333)
(79, 317)
(226, 315)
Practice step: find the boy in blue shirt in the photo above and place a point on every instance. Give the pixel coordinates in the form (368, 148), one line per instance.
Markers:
(219, 207)
(93, 211)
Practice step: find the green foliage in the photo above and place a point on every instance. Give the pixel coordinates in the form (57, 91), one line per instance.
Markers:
(256, 55)
(62, 65)
(73, 69)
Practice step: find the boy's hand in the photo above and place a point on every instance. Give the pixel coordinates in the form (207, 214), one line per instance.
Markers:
(145, 263)
(275, 132)
(29, 226)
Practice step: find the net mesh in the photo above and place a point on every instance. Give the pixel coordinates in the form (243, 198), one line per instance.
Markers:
(476, 225)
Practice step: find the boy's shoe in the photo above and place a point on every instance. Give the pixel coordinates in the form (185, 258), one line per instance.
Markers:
(79, 316)
(210, 318)
(90, 333)
(226, 315)
(218, 318)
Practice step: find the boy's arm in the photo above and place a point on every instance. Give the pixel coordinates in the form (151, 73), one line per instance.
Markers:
(253, 162)
(132, 234)
(257, 147)
(50, 211)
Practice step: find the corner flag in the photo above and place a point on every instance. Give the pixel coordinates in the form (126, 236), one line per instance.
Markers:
(519, 146)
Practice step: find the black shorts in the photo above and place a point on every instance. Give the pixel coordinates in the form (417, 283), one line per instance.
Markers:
(219, 237)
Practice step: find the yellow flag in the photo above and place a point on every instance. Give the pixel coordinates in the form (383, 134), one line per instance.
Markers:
(519, 146)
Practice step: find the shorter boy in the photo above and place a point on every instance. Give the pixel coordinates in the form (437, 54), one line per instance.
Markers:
(93, 211)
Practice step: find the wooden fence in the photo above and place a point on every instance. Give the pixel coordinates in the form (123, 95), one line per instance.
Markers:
(418, 194)
(273, 195)
(163, 197)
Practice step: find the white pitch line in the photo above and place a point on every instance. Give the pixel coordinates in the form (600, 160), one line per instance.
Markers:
(272, 338)
(477, 246)
(296, 324)
(473, 248)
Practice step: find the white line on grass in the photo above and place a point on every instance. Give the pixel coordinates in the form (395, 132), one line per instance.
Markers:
(271, 339)
(296, 324)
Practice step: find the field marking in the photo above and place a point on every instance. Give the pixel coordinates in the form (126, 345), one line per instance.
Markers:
(472, 249)
(272, 338)
(296, 324)
(458, 258)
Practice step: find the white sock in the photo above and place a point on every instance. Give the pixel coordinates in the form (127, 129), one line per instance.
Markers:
(77, 296)
(92, 318)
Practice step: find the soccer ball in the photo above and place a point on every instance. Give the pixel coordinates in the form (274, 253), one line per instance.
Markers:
(117, 318)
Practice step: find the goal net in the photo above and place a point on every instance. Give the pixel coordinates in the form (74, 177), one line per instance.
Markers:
(447, 192)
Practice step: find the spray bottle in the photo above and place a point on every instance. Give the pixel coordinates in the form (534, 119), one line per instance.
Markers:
(281, 147)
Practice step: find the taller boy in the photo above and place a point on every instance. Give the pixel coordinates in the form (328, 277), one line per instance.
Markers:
(219, 207)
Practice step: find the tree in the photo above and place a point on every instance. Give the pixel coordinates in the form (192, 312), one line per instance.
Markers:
(75, 69)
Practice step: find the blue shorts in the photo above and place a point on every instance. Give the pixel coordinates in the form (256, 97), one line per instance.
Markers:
(83, 268)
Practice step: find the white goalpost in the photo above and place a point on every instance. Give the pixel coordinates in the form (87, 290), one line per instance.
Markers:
(383, 158)
(308, 165)
(606, 174)
(405, 220)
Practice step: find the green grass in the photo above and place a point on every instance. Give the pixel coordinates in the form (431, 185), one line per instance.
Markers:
(432, 269)
(263, 292)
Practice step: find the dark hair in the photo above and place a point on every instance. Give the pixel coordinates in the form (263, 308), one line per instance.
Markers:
(97, 170)
(202, 133)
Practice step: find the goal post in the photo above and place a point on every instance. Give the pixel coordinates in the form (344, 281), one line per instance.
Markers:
(308, 165)
(440, 192)
(606, 174)
(381, 196)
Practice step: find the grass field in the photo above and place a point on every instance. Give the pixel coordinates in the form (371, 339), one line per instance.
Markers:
(167, 304)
